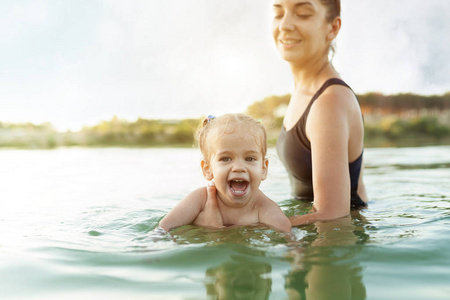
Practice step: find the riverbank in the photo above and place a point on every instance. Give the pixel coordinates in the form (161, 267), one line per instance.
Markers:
(382, 132)
(390, 121)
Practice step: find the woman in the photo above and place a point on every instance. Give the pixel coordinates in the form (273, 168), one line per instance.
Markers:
(321, 142)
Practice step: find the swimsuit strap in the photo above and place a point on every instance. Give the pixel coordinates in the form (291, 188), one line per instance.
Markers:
(301, 124)
(329, 82)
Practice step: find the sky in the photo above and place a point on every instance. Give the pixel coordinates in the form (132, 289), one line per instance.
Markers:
(76, 63)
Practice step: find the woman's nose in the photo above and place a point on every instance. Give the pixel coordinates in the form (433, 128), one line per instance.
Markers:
(286, 23)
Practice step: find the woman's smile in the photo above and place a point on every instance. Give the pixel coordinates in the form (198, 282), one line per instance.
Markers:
(289, 43)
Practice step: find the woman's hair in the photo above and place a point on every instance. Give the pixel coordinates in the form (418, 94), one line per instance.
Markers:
(333, 8)
(228, 123)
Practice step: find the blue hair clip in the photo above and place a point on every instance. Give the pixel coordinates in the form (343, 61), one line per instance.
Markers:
(210, 117)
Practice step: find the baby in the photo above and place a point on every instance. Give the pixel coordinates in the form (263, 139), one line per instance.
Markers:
(234, 160)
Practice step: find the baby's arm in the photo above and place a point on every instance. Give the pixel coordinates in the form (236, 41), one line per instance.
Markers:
(272, 215)
(186, 211)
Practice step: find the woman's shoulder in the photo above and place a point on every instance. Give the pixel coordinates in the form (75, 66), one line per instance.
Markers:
(335, 99)
(338, 95)
(335, 118)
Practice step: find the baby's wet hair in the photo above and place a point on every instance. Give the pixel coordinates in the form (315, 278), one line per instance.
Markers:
(228, 123)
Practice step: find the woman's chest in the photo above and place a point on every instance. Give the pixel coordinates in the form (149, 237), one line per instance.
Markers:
(298, 104)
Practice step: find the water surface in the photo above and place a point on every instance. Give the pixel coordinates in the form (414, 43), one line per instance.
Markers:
(79, 223)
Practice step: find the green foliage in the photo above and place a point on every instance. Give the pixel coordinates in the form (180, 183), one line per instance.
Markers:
(392, 126)
(116, 132)
(421, 127)
(141, 133)
(384, 121)
(269, 108)
(395, 104)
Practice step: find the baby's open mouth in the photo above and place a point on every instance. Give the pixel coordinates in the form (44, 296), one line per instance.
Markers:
(238, 187)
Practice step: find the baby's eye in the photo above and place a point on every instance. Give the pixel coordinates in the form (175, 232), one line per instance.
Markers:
(250, 158)
(225, 159)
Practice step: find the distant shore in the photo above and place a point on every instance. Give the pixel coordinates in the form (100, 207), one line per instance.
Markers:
(386, 132)
(390, 121)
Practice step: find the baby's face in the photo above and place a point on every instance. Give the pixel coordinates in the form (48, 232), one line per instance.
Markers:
(237, 166)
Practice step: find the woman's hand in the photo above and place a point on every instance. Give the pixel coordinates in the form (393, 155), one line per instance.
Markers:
(305, 219)
(210, 216)
(314, 216)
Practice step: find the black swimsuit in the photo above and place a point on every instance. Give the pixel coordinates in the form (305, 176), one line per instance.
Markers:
(294, 150)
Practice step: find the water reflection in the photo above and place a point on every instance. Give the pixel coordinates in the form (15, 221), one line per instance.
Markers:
(325, 264)
(323, 260)
(239, 279)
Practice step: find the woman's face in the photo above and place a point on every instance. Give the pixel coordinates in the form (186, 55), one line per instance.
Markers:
(300, 30)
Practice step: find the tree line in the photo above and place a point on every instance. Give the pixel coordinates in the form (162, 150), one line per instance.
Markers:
(376, 103)
(389, 120)
(371, 104)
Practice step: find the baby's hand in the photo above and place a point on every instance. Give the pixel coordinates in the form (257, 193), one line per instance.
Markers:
(210, 216)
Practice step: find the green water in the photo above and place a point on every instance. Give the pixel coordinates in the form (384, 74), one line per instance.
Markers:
(79, 224)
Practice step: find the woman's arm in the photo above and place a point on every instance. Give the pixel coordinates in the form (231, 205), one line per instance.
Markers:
(185, 211)
(210, 216)
(328, 129)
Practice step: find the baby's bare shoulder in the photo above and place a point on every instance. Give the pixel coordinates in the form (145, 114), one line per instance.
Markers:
(197, 196)
(271, 214)
(264, 202)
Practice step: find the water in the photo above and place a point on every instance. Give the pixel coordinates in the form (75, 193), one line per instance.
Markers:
(79, 223)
